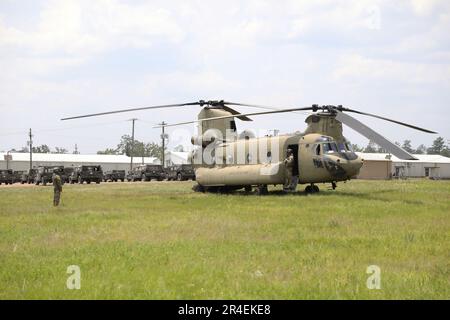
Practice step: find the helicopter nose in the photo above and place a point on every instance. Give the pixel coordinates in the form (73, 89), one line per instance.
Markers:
(352, 167)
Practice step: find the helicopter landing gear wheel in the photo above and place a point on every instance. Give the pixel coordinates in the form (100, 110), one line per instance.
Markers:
(248, 189)
(312, 189)
(333, 185)
(262, 189)
(198, 188)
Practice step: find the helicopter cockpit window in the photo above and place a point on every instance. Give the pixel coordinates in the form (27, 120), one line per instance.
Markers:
(318, 150)
(345, 147)
(330, 147)
(349, 146)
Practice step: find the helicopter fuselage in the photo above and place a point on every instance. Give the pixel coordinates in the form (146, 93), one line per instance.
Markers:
(260, 161)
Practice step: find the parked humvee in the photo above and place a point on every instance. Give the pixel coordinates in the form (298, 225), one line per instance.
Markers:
(6, 176)
(28, 176)
(114, 175)
(44, 174)
(17, 175)
(87, 174)
(180, 172)
(146, 173)
(66, 174)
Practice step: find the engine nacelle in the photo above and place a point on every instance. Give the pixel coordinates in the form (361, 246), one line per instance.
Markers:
(247, 134)
(208, 137)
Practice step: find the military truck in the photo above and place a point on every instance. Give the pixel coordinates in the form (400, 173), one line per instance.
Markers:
(180, 172)
(17, 175)
(65, 177)
(147, 173)
(44, 174)
(87, 174)
(6, 176)
(114, 176)
(28, 176)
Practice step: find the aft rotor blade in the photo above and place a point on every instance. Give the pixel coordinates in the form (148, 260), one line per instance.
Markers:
(242, 114)
(133, 109)
(373, 136)
(390, 120)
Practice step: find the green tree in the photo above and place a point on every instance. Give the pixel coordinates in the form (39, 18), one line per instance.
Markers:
(139, 148)
(357, 148)
(107, 151)
(407, 146)
(371, 148)
(41, 149)
(438, 146)
(153, 150)
(178, 148)
(421, 149)
(61, 150)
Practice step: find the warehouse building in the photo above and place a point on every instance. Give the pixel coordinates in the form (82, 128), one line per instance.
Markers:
(21, 161)
(386, 166)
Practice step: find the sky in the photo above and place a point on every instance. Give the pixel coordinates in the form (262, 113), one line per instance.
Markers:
(64, 58)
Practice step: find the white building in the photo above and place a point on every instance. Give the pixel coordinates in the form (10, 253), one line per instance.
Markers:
(386, 166)
(21, 161)
(176, 158)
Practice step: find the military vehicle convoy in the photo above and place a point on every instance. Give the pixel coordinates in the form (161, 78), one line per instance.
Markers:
(146, 173)
(114, 176)
(7, 176)
(180, 172)
(86, 174)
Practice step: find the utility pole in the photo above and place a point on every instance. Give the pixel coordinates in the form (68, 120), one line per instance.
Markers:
(163, 141)
(30, 142)
(76, 149)
(132, 143)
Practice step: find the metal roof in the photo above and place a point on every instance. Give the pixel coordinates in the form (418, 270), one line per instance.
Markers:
(74, 158)
(424, 158)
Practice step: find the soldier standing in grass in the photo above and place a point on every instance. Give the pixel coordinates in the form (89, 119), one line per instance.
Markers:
(289, 167)
(57, 189)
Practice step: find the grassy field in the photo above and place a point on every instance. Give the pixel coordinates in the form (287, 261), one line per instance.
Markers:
(162, 241)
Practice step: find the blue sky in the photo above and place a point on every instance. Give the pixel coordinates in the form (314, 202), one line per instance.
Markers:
(62, 58)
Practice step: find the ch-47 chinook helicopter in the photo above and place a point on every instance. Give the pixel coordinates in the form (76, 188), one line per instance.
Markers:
(226, 161)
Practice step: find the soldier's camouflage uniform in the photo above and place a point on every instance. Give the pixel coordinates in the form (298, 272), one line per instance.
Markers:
(57, 189)
(289, 167)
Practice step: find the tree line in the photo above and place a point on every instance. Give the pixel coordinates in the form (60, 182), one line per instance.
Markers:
(152, 149)
(137, 149)
(43, 148)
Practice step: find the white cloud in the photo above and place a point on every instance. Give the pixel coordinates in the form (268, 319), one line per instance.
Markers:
(357, 67)
(90, 27)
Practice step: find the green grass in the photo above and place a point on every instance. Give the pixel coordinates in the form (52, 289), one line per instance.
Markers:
(162, 241)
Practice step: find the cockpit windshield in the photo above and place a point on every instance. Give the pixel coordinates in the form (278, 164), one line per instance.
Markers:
(345, 147)
(330, 147)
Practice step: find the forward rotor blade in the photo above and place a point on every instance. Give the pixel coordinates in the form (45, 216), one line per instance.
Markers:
(253, 106)
(237, 113)
(133, 109)
(390, 120)
(373, 136)
(242, 114)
